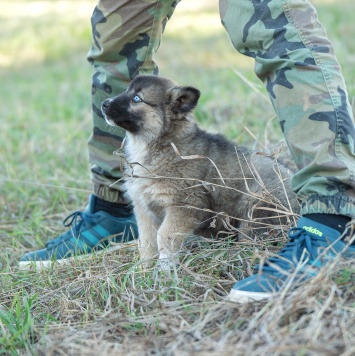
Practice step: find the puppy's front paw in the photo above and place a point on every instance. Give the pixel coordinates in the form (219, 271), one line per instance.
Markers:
(166, 262)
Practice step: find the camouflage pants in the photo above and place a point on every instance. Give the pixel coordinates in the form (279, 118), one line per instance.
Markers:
(293, 58)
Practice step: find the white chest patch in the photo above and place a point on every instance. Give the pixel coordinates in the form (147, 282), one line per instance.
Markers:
(136, 150)
(142, 183)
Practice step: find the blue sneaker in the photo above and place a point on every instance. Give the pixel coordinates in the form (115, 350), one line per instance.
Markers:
(89, 232)
(311, 246)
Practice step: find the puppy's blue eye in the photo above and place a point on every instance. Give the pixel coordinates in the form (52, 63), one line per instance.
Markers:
(136, 99)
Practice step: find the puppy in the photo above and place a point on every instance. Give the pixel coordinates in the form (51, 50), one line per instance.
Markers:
(183, 180)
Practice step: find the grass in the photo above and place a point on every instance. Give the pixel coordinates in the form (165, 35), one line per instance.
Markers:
(107, 305)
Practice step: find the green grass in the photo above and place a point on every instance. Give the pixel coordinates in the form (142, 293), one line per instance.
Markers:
(107, 304)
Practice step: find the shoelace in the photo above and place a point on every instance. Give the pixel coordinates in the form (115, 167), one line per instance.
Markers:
(68, 222)
(300, 240)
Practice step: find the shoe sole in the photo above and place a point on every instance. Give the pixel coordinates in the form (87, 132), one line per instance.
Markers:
(241, 296)
(37, 265)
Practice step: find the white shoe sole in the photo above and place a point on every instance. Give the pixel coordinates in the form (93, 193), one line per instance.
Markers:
(36, 265)
(240, 296)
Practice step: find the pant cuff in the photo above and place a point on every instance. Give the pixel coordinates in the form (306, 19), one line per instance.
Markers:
(328, 205)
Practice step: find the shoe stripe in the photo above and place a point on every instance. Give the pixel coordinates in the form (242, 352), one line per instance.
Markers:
(95, 235)
(101, 231)
(91, 237)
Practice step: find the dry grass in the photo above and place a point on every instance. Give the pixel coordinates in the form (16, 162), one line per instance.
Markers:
(108, 306)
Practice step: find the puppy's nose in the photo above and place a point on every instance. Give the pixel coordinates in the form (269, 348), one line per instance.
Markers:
(106, 103)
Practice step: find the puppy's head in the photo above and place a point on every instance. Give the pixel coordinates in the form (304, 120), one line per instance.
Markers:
(151, 106)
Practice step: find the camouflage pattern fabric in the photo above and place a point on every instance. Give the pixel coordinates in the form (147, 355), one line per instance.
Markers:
(293, 58)
(296, 62)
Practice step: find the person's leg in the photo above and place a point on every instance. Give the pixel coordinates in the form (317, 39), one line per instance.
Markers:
(296, 62)
(125, 35)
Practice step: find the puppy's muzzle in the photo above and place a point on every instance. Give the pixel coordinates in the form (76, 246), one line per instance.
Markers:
(105, 107)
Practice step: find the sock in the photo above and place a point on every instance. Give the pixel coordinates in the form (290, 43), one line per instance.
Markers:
(336, 222)
(114, 209)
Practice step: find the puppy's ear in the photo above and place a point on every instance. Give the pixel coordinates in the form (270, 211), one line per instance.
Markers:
(183, 99)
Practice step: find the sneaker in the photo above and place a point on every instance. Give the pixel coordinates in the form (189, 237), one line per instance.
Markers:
(89, 232)
(311, 246)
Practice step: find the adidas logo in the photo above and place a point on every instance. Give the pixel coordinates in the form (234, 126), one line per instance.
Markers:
(312, 230)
